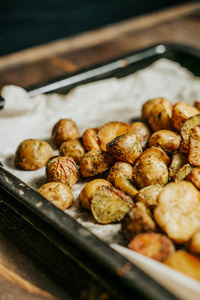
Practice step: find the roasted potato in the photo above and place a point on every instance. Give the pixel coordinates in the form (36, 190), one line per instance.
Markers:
(194, 146)
(154, 245)
(110, 205)
(183, 172)
(148, 106)
(125, 147)
(181, 112)
(178, 210)
(58, 194)
(193, 245)
(111, 130)
(90, 139)
(72, 148)
(125, 185)
(168, 140)
(178, 160)
(194, 177)
(32, 154)
(138, 220)
(186, 131)
(122, 167)
(64, 130)
(154, 152)
(62, 169)
(197, 105)
(88, 191)
(142, 132)
(149, 196)
(95, 162)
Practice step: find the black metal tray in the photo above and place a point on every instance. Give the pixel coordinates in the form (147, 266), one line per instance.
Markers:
(97, 256)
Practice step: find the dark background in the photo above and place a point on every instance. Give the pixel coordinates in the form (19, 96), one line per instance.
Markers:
(25, 23)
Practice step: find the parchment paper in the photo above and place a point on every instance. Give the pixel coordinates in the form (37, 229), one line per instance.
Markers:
(93, 105)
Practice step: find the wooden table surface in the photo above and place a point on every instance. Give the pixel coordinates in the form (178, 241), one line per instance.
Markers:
(22, 275)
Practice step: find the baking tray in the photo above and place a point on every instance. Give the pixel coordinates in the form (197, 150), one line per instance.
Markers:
(97, 256)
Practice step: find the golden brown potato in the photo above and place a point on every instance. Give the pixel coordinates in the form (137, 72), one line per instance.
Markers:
(194, 146)
(64, 130)
(32, 154)
(125, 185)
(125, 147)
(154, 245)
(72, 148)
(160, 116)
(184, 262)
(88, 191)
(178, 210)
(90, 139)
(149, 196)
(186, 131)
(197, 105)
(58, 194)
(168, 140)
(148, 106)
(95, 162)
(154, 152)
(111, 130)
(138, 220)
(181, 112)
(110, 205)
(142, 132)
(193, 245)
(121, 166)
(183, 172)
(194, 177)
(62, 169)
(177, 161)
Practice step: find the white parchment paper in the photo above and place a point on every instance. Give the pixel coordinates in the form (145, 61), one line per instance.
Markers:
(93, 105)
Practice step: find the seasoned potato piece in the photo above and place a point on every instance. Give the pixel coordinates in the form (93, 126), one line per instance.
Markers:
(142, 132)
(125, 147)
(58, 194)
(110, 205)
(154, 245)
(148, 106)
(62, 169)
(121, 166)
(194, 177)
(181, 112)
(138, 220)
(168, 140)
(186, 131)
(111, 130)
(64, 130)
(90, 139)
(32, 154)
(178, 210)
(125, 185)
(95, 162)
(154, 152)
(193, 245)
(72, 148)
(150, 171)
(184, 262)
(183, 172)
(160, 116)
(194, 146)
(177, 161)
(149, 196)
(88, 191)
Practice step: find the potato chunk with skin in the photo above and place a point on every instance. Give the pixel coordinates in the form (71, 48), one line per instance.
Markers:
(62, 169)
(149, 196)
(183, 172)
(32, 154)
(194, 147)
(88, 191)
(193, 245)
(194, 177)
(138, 220)
(90, 139)
(154, 152)
(95, 162)
(58, 194)
(111, 130)
(186, 131)
(168, 140)
(181, 112)
(125, 147)
(72, 148)
(122, 167)
(142, 132)
(110, 205)
(178, 210)
(177, 161)
(64, 130)
(125, 185)
(154, 245)
(148, 106)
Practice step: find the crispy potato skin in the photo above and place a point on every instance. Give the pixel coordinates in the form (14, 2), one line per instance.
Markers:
(72, 148)
(125, 185)
(193, 245)
(148, 106)
(88, 191)
(62, 169)
(142, 132)
(149, 196)
(168, 140)
(155, 152)
(95, 162)
(154, 245)
(183, 172)
(121, 167)
(181, 112)
(194, 147)
(90, 139)
(178, 210)
(125, 147)
(186, 131)
(111, 130)
(32, 154)
(194, 177)
(64, 130)
(58, 194)
(177, 161)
